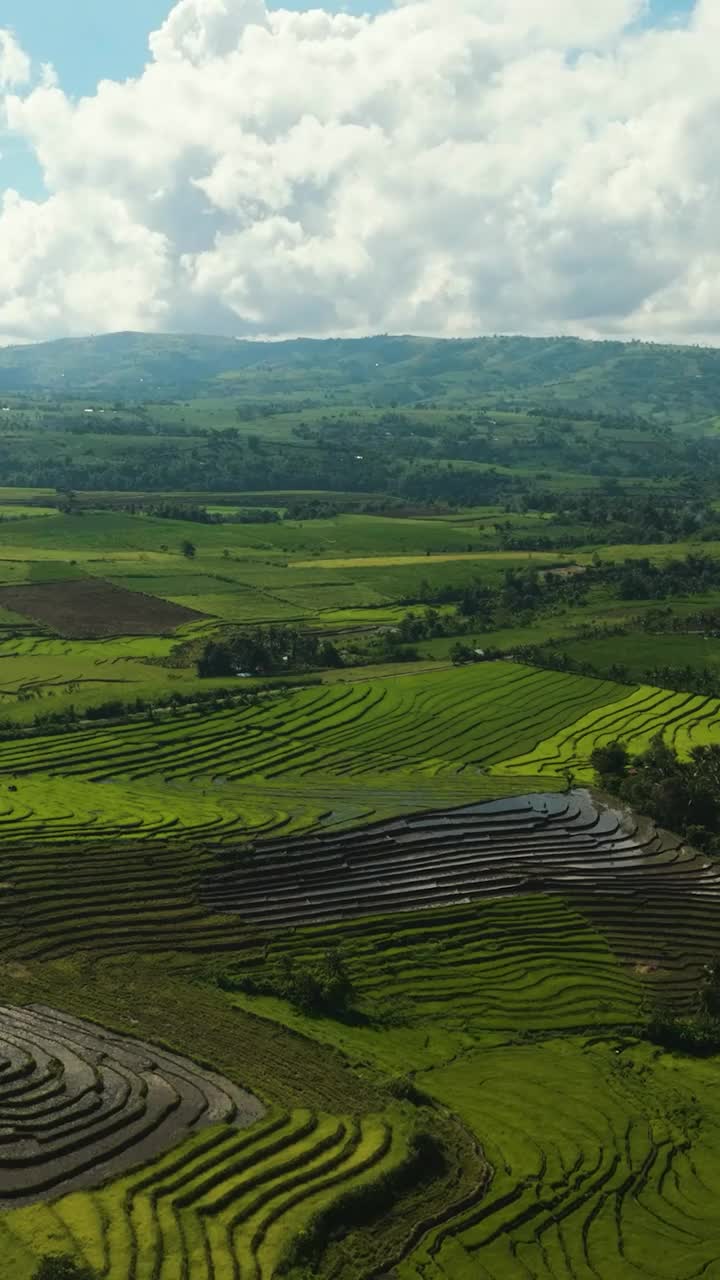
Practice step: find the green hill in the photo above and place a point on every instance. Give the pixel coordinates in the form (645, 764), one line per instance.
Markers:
(681, 383)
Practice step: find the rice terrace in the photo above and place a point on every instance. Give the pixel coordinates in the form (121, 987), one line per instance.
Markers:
(359, 811)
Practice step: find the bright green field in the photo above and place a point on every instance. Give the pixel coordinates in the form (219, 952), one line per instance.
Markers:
(454, 732)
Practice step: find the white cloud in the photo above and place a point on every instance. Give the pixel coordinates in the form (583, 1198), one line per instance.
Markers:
(74, 258)
(199, 30)
(14, 62)
(451, 166)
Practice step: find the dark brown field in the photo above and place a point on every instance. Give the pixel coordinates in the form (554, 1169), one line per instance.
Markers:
(88, 608)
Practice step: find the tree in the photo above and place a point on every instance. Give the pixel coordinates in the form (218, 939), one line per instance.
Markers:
(215, 660)
(611, 761)
(188, 548)
(710, 993)
(322, 988)
(461, 654)
(63, 1267)
(328, 655)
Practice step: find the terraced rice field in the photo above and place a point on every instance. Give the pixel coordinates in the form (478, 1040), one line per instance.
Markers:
(685, 721)
(444, 721)
(487, 1110)
(330, 755)
(427, 985)
(503, 718)
(78, 1105)
(223, 1204)
(659, 901)
(516, 1014)
(606, 1165)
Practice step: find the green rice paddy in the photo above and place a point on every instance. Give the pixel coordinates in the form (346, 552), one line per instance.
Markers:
(488, 1108)
(346, 750)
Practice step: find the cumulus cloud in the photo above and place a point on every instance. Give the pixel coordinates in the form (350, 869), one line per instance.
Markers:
(14, 62)
(58, 259)
(448, 167)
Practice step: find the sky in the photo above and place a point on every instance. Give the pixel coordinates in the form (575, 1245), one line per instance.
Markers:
(436, 166)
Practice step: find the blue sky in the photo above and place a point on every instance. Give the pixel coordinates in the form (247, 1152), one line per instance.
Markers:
(88, 40)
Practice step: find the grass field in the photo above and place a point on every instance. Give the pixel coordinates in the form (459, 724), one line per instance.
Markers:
(645, 652)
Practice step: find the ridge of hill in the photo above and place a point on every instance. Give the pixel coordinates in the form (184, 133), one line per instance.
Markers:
(667, 381)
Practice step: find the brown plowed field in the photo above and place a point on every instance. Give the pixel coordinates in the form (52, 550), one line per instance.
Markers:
(88, 608)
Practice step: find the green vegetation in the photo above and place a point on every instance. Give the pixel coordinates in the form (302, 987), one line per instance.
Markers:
(62, 1267)
(319, 955)
(562, 372)
(683, 795)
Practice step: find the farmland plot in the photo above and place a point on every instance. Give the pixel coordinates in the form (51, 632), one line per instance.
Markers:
(516, 1014)
(625, 877)
(79, 1105)
(511, 999)
(444, 721)
(87, 607)
(684, 721)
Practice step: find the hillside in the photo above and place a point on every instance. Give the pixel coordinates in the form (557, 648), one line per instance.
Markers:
(679, 383)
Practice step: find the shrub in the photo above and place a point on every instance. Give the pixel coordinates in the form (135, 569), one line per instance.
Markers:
(698, 1035)
(63, 1267)
(320, 988)
(611, 761)
(460, 654)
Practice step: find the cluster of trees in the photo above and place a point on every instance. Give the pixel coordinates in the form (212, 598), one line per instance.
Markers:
(177, 511)
(697, 1032)
(628, 517)
(201, 515)
(521, 595)
(428, 625)
(417, 462)
(461, 655)
(312, 509)
(321, 988)
(682, 795)
(266, 651)
(643, 580)
(664, 619)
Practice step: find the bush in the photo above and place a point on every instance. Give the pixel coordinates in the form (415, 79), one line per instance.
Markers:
(320, 988)
(63, 1267)
(460, 654)
(323, 988)
(698, 1035)
(611, 761)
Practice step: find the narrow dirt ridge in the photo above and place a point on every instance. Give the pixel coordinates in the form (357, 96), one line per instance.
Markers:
(79, 1105)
